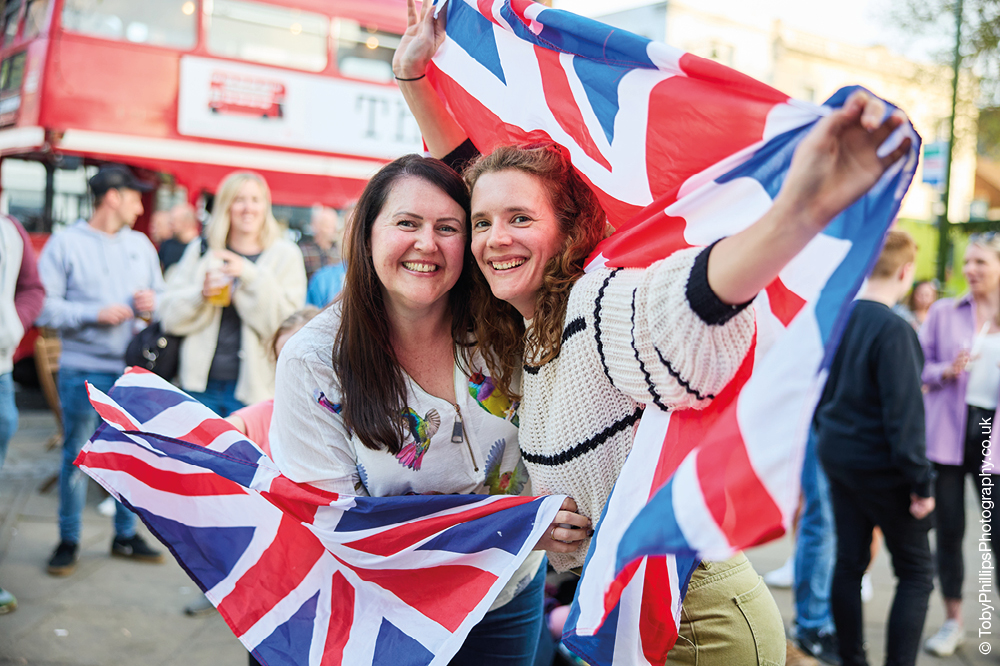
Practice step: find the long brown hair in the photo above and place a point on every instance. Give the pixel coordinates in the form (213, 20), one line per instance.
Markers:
(499, 328)
(372, 383)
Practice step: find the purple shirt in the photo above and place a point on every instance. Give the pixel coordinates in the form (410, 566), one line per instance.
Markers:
(949, 328)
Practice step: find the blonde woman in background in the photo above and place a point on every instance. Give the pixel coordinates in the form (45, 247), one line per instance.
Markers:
(229, 300)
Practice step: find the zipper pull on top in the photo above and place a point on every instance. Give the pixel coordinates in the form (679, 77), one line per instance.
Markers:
(457, 437)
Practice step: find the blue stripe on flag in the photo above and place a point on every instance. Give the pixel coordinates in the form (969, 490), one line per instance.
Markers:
(474, 33)
(207, 553)
(596, 649)
(654, 530)
(237, 463)
(569, 33)
(289, 642)
(372, 512)
(145, 403)
(505, 530)
(602, 96)
(394, 648)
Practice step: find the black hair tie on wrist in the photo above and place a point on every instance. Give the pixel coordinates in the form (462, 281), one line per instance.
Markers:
(413, 79)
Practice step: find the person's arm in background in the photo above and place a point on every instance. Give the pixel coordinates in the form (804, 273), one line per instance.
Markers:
(59, 313)
(29, 292)
(898, 361)
(938, 370)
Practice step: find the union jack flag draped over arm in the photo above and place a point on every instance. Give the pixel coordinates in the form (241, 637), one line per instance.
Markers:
(300, 575)
(681, 151)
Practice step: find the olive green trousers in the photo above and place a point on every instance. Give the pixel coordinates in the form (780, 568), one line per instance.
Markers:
(729, 618)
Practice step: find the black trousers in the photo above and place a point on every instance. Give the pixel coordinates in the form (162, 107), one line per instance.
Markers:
(856, 511)
(950, 499)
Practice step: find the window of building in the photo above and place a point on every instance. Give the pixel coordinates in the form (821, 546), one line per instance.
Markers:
(364, 51)
(266, 34)
(170, 23)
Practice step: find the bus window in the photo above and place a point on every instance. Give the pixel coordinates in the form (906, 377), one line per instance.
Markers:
(365, 52)
(23, 193)
(11, 19)
(267, 34)
(34, 18)
(168, 23)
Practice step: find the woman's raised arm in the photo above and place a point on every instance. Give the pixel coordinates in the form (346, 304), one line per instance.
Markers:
(835, 164)
(423, 36)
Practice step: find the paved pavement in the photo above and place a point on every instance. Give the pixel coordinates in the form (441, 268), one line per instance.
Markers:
(112, 611)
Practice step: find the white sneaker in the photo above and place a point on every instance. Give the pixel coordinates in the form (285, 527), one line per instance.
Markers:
(107, 507)
(867, 591)
(784, 575)
(944, 642)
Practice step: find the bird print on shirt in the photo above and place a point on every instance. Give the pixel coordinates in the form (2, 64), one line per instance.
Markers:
(421, 430)
(504, 483)
(481, 388)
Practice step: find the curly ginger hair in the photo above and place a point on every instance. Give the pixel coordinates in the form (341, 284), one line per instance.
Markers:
(499, 328)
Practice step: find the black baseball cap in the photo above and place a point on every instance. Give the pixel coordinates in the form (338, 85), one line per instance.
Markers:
(117, 176)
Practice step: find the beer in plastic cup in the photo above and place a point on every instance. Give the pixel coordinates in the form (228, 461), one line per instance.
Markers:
(220, 288)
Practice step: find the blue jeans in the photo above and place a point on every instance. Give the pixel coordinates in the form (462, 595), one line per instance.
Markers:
(508, 635)
(219, 396)
(8, 414)
(79, 423)
(815, 548)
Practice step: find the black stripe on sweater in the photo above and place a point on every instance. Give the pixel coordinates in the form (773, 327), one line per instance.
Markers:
(642, 366)
(680, 380)
(576, 326)
(585, 446)
(597, 325)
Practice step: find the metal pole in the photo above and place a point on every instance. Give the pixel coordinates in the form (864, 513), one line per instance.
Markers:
(944, 226)
(50, 191)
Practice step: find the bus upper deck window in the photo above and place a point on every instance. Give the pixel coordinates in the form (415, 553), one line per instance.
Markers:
(34, 17)
(11, 20)
(268, 34)
(169, 23)
(364, 51)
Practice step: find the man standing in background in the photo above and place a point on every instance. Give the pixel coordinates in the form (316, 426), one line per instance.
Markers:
(322, 249)
(21, 299)
(99, 275)
(184, 228)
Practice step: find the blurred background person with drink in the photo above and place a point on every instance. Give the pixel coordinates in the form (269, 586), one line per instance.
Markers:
(99, 276)
(228, 301)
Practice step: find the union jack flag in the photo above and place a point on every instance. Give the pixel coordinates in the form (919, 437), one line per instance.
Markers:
(300, 575)
(682, 151)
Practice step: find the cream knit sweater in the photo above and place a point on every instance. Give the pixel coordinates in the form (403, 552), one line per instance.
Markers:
(632, 338)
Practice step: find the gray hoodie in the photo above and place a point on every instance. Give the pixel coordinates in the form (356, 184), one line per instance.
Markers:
(85, 270)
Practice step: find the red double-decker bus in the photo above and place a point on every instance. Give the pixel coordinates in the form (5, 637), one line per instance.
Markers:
(298, 90)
